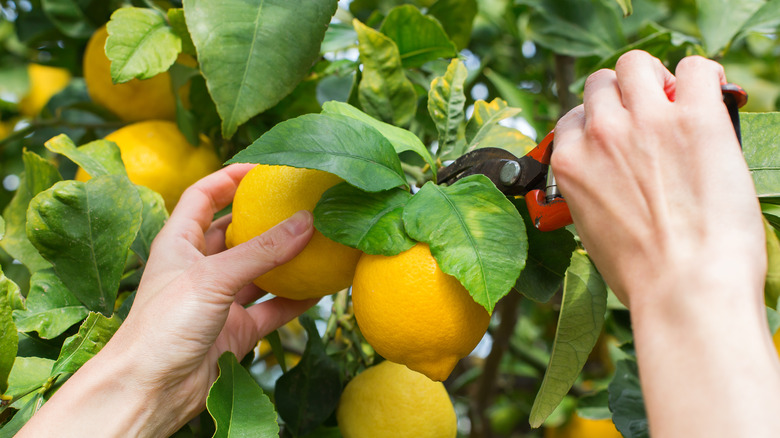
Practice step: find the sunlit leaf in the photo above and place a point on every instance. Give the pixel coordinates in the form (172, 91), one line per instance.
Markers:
(760, 133)
(9, 341)
(85, 231)
(238, 405)
(446, 101)
(100, 157)
(27, 407)
(626, 6)
(772, 284)
(384, 90)
(50, 307)
(253, 53)
(339, 36)
(579, 325)
(92, 336)
(457, 18)
(370, 222)
(419, 38)
(338, 144)
(179, 26)
(153, 218)
(474, 232)
(28, 374)
(626, 401)
(486, 116)
(719, 21)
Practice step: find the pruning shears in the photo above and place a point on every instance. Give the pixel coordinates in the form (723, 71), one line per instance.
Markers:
(531, 176)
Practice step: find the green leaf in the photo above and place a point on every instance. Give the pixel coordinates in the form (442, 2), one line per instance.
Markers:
(761, 148)
(253, 53)
(765, 20)
(719, 21)
(26, 411)
(457, 18)
(626, 6)
(594, 406)
(579, 325)
(92, 336)
(370, 222)
(772, 214)
(446, 101)
(9, 341)
(486, 116)
(27, 375)
(238, 405)
(474, 232)
(518, 98)
(69, 16)
(772, 284)
(401, 139)
(384, 91)
(339, 36)
(576, 28)
(85, 231)
(309, 393)
(153, 217)
(51, 307)
(419, 38)
(626, 402)
(140, 44)
(100, 157)
(334, 143)
(179, 26)
(549, 256)
(39, 175)
(277, 348)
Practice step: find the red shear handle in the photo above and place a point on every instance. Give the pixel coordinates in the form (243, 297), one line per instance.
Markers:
(547, 216)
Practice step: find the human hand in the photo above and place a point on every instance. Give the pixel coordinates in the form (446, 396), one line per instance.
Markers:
(654, 177)
(188, 310)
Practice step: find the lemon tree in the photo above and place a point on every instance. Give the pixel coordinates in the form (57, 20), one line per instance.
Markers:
(349, 109)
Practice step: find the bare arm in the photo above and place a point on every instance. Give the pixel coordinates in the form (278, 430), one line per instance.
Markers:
(664, 203)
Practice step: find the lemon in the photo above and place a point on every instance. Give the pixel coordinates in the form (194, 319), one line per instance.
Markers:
(270, 194)
(414, 314)
(132, 101)
(45, 82)
(578, 427)
(157, 155)
(391, 401)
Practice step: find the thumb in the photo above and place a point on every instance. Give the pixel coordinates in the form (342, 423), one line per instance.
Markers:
(238, 266)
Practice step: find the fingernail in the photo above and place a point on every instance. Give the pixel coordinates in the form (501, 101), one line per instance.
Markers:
(298, 223)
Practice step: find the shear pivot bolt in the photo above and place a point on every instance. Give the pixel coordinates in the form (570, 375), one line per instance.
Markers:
(510, 173)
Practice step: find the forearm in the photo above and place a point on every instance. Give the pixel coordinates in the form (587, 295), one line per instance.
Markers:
(707, 363)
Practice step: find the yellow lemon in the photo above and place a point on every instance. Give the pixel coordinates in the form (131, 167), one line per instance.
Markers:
(391, 401)
(45, 82)
(578, 427)
(414, 314)
(133, 100)
(157, 155)
(270, 194)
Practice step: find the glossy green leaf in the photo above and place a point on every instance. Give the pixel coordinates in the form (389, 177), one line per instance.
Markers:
(85, 231)
(719, 21)
(9, 341)
(26, 410)
(446, 104)
(401, 139)
(760, 145)
(370, 222)
(140, 44)
(772, 284)
(507, 138)
(457, 18)
(626, 6)
(39, 175)
(92, 336)
(419, 38)
(384, 91)
(549, 256)
(28, 374)
(179, 26)
(485, 117)
(69, 16)
(238, 405)
(334, 143)
(153, 217)
(100, 157)
(474, 232)
(265, 51)
(626, 401)
(577, 28)
(579, 325)
(309, 393)
(50, 307)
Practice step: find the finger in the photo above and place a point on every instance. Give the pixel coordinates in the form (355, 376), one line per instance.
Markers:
(249, 294)
(215, 235)
(276, 312)
(643, 80)
(238, 266)
(602, 96)
(699, 80)
(569, 129)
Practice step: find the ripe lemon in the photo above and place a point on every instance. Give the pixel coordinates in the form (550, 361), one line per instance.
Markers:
(391, 401)
(45, 82)
(413, 313)
(132, 101)
(157, 155)
(270, 194)
(579, 427)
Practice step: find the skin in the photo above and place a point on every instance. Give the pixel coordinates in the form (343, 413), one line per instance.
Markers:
(189, 309)
(663, 201)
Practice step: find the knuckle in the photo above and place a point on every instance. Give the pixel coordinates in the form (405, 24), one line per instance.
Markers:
(270, 247)
(632, 57)
(599, 75)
